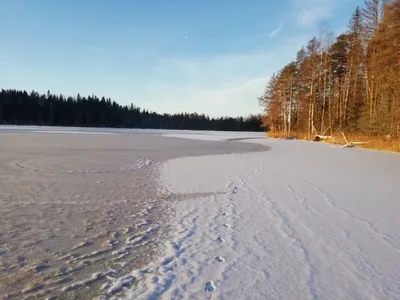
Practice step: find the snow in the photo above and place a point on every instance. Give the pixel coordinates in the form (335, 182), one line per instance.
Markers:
(93, 278)
(120, 283)
(299, 221)
(189, 134)
(68, 132)
(216, 136)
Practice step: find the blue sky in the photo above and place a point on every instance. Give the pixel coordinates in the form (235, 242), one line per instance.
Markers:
(211, 57)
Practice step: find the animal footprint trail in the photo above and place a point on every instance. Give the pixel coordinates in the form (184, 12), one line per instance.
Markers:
(219, 259)
(209, 286)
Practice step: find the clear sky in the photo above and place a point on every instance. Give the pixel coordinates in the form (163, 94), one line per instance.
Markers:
(208, 56)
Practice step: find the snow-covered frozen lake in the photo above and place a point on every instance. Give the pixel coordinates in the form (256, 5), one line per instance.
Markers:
(250, 219)
(80, 202)
(300, 221)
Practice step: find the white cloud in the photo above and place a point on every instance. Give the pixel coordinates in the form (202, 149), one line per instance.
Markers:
(276, 31)
(310, 12)
(236, 98)
(223, 84)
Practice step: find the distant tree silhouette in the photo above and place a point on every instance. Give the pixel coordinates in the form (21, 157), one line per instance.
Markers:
(20, 108)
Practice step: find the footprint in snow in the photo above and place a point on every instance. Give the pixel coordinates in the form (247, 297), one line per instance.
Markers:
(220, 239)
(167, 261)
(219, 259)
(209, 286)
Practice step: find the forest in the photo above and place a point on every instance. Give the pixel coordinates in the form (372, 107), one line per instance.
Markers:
(23, 108)
(346, 84)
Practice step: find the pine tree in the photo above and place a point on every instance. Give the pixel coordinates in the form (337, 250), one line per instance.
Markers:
(19, 107)
(354, 100)
(371, 17)
(352, 85)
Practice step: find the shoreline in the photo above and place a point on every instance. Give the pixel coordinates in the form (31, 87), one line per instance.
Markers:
(381, 144)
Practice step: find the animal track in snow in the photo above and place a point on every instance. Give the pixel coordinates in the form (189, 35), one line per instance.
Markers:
(220, 239)
(209, 286)
(143, 223)
(219, 259)
(128, 229)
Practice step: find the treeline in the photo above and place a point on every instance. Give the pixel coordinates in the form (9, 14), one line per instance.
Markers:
(351, 84)
(22, 108)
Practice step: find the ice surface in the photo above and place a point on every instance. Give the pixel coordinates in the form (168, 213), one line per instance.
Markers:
(216, 136)
(188, 134)
(306, 221)
(76, 202)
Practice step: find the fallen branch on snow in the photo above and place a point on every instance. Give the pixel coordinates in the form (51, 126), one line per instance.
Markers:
(351, 144)
(318, 138)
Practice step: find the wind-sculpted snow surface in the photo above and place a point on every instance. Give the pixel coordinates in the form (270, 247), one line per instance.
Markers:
(300, 221)
(119, 216)
(80, 208)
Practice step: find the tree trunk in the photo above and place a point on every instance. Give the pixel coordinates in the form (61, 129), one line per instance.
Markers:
(310, 112)
(284, 107)
(290, 106)
(323, 101)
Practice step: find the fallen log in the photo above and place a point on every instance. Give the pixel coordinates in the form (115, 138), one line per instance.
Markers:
(351, 144)
(318, 138)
